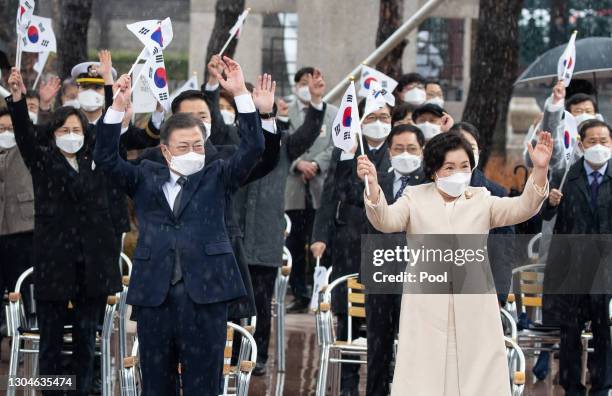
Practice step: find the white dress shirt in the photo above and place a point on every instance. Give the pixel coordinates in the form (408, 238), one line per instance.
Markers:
(171, 189)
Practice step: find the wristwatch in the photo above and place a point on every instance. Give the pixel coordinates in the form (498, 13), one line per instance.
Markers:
(267, 116)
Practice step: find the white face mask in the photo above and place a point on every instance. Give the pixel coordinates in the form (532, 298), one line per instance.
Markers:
(70, 142)
(303, 93)
(438, 101)
(377, 130)
(415, 96)
(429, 130)
(455, 184)
(405, 163)
(72, 103)
(228, 117)
(187, 164)
(597, 155)
(580, 118)
(33, 117)
(91, 100)
(208, 127)
(476, 158)
(7, 140)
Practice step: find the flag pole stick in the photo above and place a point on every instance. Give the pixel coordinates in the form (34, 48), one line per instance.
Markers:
(226, 44)
(367, 185)
(133, 67)
(36, 81)
(18, 53)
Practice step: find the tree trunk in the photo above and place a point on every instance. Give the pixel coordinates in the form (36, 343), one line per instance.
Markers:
(559, 14)
(226, 14)
(72, 38)
(493, 72)
(390, 18)
(8, 11)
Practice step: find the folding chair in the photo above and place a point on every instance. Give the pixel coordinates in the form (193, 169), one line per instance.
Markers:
(130, 375)
(516, 364)
(333, 350)
(278, 303)
(26, 338)
(122, 304)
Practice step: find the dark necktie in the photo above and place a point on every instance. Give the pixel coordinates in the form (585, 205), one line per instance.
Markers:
(404, 180)
(177, 273)
(594, 188)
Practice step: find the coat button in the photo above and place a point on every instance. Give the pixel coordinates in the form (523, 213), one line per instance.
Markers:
(177, 226)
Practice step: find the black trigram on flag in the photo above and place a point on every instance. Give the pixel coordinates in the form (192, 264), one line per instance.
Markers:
(41, 27)
(163, 96)
(349, 98)
(144, 30)
(337, 129)
(347, 135)
(44, 43)
(159, 58)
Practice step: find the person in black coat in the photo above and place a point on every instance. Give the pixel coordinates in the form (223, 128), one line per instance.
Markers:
(583, 206)
(340, 221)
(75, 239)
(405, 145)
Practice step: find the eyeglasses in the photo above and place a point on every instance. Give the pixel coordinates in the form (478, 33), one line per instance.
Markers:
(5, 129)
(185, 148)
(386, 118)
(65, 131)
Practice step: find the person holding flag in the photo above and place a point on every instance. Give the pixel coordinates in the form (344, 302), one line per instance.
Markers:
(341, 220)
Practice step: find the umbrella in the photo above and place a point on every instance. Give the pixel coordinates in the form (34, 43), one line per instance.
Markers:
(592, 59)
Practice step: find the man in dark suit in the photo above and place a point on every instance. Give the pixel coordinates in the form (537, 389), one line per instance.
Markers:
(341, 220)
(184, 270)
(584, 206)
(405, 144)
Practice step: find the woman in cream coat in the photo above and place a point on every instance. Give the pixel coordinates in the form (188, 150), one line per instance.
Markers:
(452, 344)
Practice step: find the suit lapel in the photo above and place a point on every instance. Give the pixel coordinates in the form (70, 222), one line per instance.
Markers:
(189, 189)
(386, 183)
(296, 116)
(161, 176)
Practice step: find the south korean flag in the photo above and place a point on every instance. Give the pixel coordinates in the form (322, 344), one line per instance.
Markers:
(156, 76)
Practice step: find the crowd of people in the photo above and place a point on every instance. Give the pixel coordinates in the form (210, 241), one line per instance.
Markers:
(210, 186)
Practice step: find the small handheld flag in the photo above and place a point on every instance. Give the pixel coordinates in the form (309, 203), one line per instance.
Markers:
(235, 30)
(39, 36)
(39, 66)
(24, 14)
(570, 141)
(567, 62)
(376, 99)
(155, 70)
(153, 33)
(370, 75)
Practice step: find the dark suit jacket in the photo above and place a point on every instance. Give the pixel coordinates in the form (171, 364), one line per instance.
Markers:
(574, 266)
(75, 239)
(198, 234)
(501, 249)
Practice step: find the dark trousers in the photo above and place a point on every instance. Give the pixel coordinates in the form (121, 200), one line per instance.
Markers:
(350, 372)
(297, 243)
(52, 316)
(263, 287)
(180, 330)
(600, 361)
(382, 321)
(16, 254)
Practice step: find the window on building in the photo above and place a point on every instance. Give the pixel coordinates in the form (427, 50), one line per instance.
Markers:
(280, 49)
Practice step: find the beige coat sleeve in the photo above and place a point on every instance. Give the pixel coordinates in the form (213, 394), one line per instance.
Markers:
(509, 211)
(387, 218)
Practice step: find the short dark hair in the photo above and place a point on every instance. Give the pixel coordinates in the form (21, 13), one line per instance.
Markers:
(409, 78)
(401, 111)
(427, 108)
(594, 123)
(436, 149)
(579, 98)
(180, 121)
(59, 117)
(432, 81)
(32, 94)
(361, 107)
(300, 73)
(190, 94)
(229, 97)
(466, 127)
(4, 111)
(406, 128)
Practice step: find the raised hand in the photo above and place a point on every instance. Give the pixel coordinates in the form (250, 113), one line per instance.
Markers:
(263, 93)
(106, 66)
(541, 153)
(16, 85)
(48, 91)
(121, 81)
(234, 79)
(127, 117)
(316, 86)
(124, 88)
(365, 168)
(215, 64)
(558, 92)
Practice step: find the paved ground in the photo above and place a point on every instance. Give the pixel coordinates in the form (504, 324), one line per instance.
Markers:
(302, 363)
